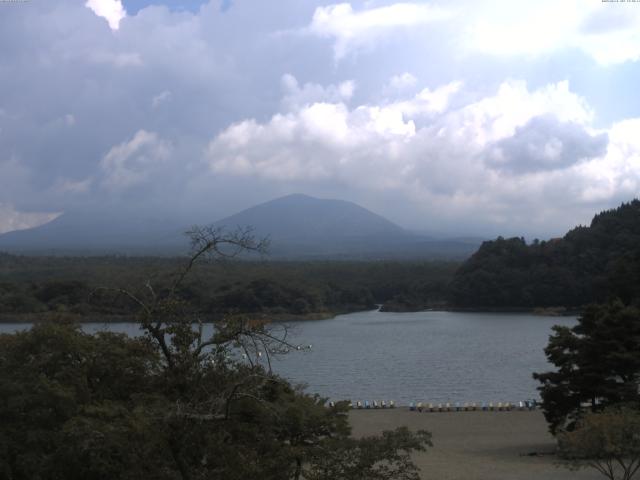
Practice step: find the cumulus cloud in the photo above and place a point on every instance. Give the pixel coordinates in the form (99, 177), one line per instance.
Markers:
(350, 29)
(544, 143)
(296, 95)
(214, 108)
(617, 174)
(329, 140)
(427, 101)
(518, 145)
(111, 10)
(495, 117)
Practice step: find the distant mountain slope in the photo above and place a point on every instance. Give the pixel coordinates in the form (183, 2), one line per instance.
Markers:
(301, 217)
(589, 264)
(93, 232)
(299, 226)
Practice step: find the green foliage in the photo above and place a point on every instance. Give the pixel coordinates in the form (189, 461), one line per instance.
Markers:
(174, 404)
(608, 442)
(370, 458)
(598, 363)
(55, 377)
(590, 264)
(36, 285)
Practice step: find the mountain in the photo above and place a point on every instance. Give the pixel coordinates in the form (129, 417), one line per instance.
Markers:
(304, 227)
(303, 218)
(589, 264)
(299, 227)
(87, 233)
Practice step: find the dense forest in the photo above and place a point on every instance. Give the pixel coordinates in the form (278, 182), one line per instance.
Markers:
(84, 286)
(589, 264)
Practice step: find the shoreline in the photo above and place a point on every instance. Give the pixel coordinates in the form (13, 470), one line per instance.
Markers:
(540, 311)
(22, 318)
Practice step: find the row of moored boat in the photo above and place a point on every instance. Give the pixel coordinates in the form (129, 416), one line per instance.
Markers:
(471, 407)
(367, 404)
(447, 407)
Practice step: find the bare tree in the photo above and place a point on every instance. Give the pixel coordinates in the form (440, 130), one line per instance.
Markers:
(221, 409)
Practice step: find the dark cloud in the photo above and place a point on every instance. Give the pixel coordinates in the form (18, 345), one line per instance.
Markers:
(125, 119)
(545, 143)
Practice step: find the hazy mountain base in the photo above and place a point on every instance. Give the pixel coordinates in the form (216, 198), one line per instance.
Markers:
(299, 227)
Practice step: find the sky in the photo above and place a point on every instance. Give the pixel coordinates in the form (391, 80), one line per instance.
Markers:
(499, 117)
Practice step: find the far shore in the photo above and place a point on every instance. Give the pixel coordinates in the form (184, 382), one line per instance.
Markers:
(542, 311)
(275, 317)
(101, 318)
(513, 445)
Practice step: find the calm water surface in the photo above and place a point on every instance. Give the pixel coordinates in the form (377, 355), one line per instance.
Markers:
(424, 356)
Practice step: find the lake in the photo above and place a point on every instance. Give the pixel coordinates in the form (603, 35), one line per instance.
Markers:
(407, 357)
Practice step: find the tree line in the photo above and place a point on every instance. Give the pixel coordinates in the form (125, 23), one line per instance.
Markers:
(588, 265)
(73, 285)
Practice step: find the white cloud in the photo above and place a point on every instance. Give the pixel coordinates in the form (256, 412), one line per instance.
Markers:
(617, 174)
(609, 32)
(111, 10)
(131, 163)
(12, 219)
(450, 162)
(351, 29)
(427, 101)
(292, 118)
(496, 117)
(296, 96)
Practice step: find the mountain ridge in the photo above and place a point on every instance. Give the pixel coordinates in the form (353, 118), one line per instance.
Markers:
(299, 226)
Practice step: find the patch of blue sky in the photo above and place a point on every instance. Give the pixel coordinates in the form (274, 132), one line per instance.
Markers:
(134, 6)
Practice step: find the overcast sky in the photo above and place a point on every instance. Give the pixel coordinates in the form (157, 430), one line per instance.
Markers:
(494, 117)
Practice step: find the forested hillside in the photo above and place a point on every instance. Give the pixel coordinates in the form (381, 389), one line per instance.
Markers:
(589, 264)
(74, 285)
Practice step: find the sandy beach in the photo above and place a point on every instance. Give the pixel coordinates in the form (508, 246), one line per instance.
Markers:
(477, 445)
